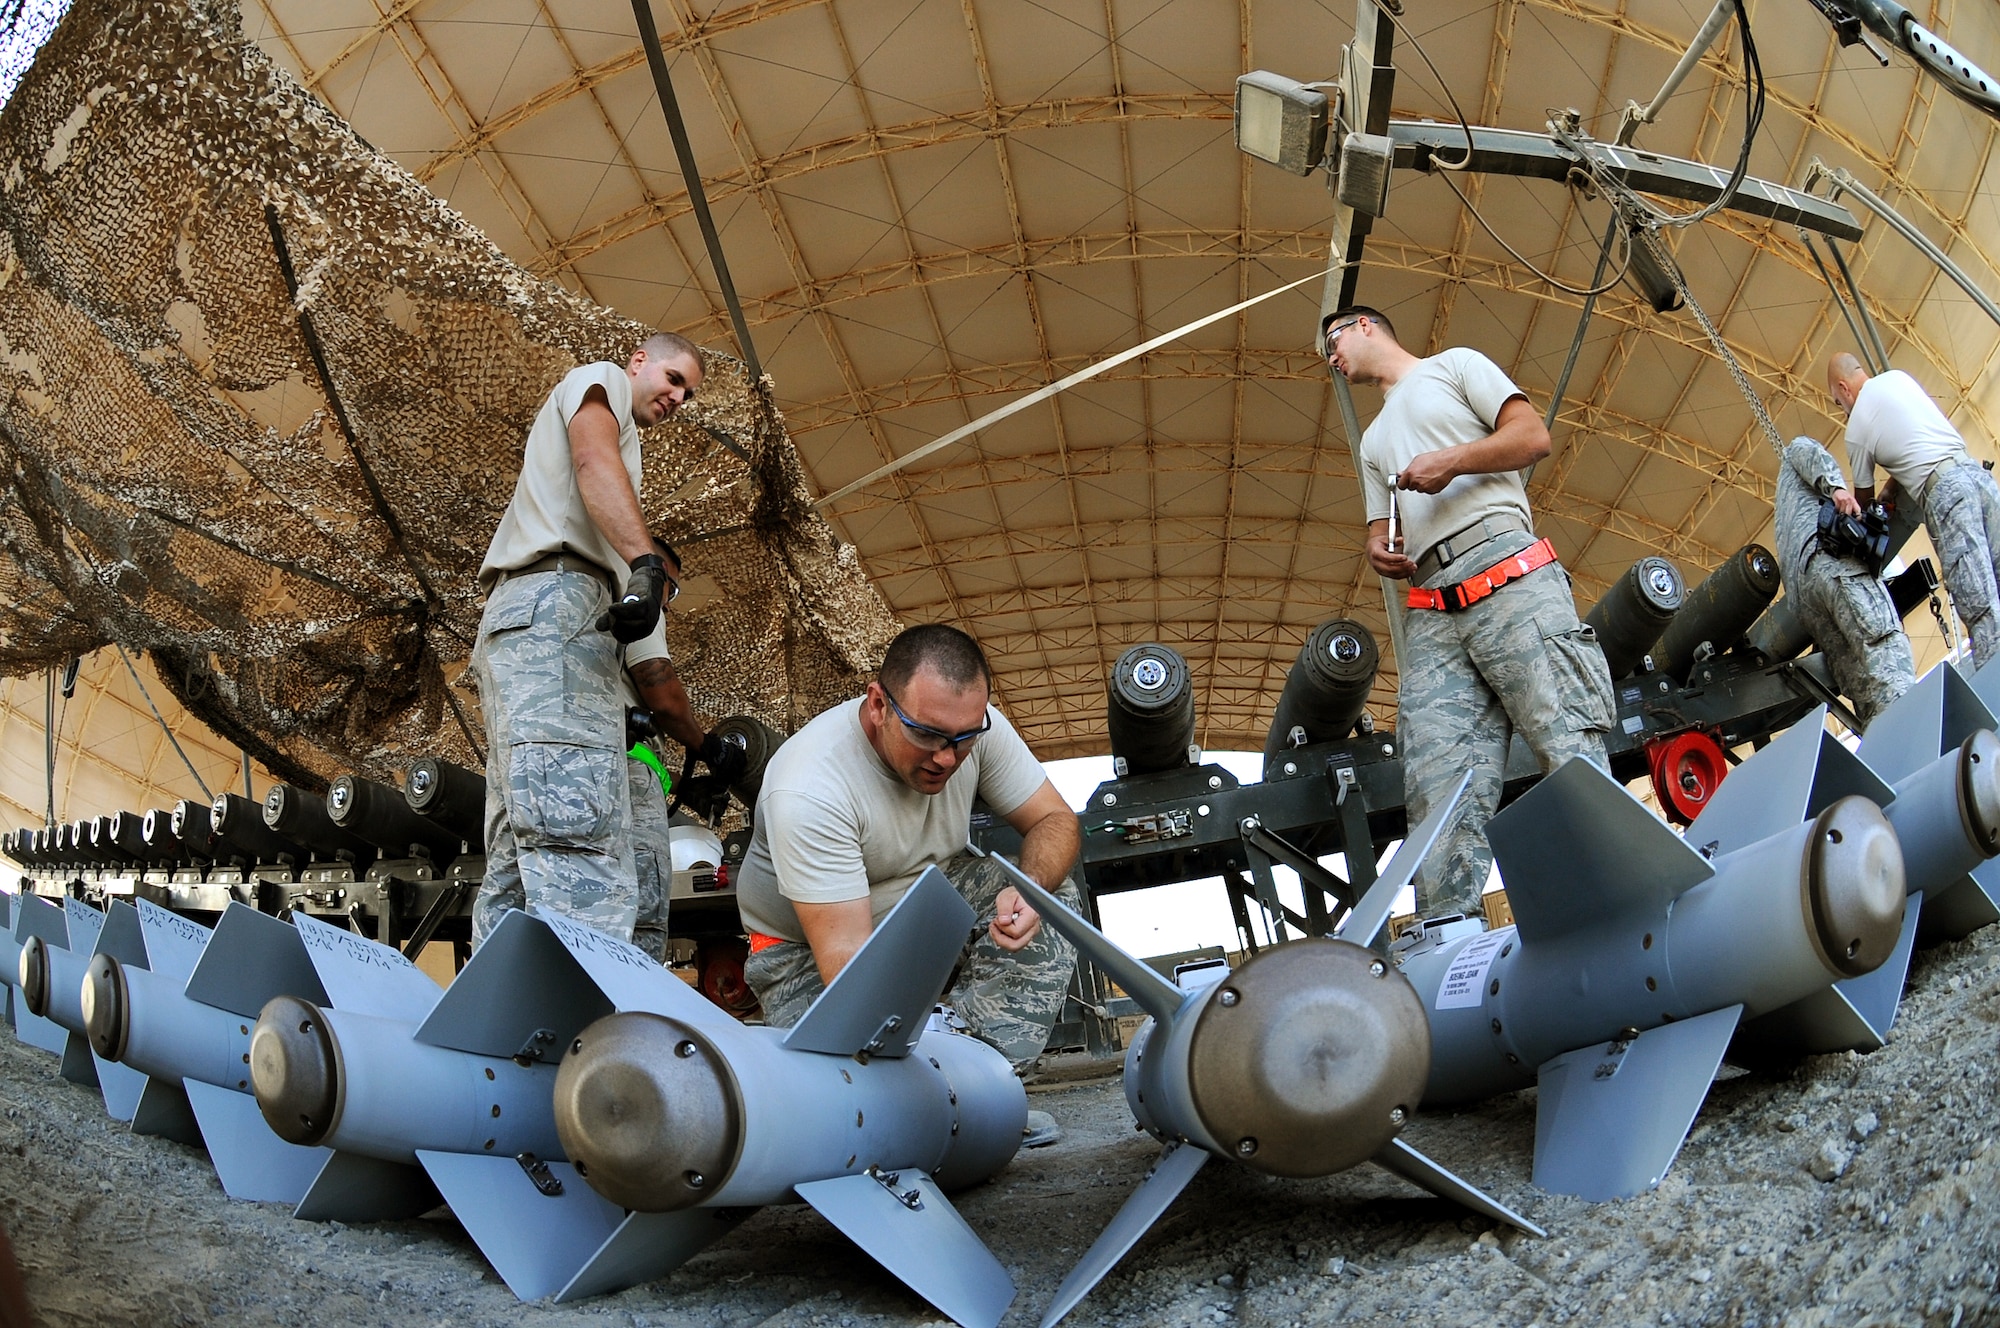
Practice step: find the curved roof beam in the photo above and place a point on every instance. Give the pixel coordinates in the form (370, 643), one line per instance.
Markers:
(862, 145)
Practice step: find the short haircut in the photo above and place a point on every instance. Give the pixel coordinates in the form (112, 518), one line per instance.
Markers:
(1375, 316)
(945, 651)
(663, 344)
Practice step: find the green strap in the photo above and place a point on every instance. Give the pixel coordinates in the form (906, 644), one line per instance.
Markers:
(641, 752)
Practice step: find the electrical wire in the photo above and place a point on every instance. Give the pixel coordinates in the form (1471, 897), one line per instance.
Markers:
(1465, 163)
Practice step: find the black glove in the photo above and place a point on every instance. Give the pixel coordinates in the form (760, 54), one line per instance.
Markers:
(634, 617)
(724, 759)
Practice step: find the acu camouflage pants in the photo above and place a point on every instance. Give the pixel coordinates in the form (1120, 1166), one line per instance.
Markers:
(1516, 662)
(1008, 1001)
(558, 807)
(652, 858)
(1854, 623)
(1962, 510)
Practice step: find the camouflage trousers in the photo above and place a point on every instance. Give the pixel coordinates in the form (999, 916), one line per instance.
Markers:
(1516, 662)
(558, 805)
(1962, 511)
(1854, 623)
(652, 858)
(1008, 1001)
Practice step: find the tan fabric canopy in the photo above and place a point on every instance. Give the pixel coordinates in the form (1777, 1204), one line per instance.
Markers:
(929, 207)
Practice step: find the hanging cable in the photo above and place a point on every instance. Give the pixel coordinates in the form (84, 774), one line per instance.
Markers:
(1465, 163)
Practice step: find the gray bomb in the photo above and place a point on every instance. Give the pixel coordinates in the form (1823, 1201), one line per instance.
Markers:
(1635, 955)
(356, 1079)
(1306, 1060)
(680, 1121)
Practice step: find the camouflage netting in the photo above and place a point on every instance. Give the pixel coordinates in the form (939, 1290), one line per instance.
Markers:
(182, 484)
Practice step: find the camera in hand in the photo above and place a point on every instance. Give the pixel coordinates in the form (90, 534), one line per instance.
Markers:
(1864, 538)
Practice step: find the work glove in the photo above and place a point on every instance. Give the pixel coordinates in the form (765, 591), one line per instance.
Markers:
(634, 617)
(724, 759)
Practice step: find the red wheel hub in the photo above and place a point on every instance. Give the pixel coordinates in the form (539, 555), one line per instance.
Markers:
(1687, 769)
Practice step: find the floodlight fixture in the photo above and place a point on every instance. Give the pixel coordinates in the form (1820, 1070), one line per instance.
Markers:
(1281, 121)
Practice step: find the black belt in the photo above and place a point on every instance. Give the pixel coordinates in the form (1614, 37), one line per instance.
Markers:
(563, 562)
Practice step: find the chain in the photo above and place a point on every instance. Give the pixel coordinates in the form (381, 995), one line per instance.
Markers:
(1650, 237)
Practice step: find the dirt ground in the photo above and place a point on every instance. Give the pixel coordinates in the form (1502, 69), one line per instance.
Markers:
(116, 1229)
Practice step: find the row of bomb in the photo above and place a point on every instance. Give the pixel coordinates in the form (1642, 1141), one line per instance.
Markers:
(593, 1123)
(399, 865)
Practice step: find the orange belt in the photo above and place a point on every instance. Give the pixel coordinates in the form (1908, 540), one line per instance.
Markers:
(759, 942)
(1450, 599)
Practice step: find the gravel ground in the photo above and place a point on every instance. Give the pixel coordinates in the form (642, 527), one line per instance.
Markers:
(1858, 1190)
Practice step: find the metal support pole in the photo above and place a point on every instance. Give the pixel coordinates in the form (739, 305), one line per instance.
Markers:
(1860, 306)
(140, 683)
(1238, 891)
(663, 85)
(246, 778)
(1861, 341)
(1711, 28)
(1392, 599)
(49, 746)
(1843, 182)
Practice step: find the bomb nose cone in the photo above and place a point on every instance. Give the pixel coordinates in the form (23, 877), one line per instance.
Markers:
(295, 1070)
(1854, 880)
(1308, 1059)
(34, 975)
(649, 1112)
(1979, 789)
(104, 1007)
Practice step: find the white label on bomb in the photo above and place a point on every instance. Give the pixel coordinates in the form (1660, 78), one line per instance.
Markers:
(1465, 979)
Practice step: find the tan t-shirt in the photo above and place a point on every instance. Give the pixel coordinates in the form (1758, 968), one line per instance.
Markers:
(1453, 397)
(546, 514)
(834, 823)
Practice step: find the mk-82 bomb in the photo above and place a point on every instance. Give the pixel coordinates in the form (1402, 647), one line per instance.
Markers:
(1326, 691)
(1635, 955)
(1780, 634)
(128, 831)
(1638, 607)
(163, 839)
(239, 822)
(1719, 611)
(104, 838)
(1149, 709)
(1304, 1061)
(451, 795)
(1938, 746)
(866, 1109)
(304, 818)
(193, 824)
(382, 816)
(56, 948)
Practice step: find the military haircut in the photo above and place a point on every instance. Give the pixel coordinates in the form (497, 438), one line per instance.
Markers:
(663, 344)
(946, 651)
(1375, 316)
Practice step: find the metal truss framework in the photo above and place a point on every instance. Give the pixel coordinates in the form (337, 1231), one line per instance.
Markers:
(1007, 515)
